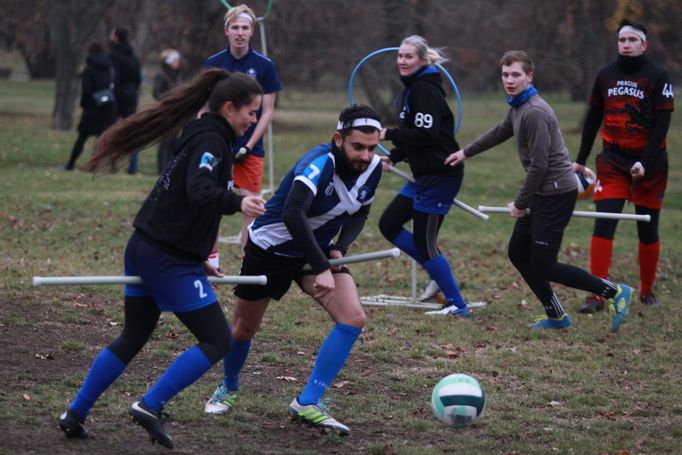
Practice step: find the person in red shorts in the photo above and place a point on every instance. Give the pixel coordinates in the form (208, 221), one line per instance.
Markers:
(239, 56)
(632, 102)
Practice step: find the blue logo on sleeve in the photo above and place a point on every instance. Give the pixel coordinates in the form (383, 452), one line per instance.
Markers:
(207, 161)
(363, 194)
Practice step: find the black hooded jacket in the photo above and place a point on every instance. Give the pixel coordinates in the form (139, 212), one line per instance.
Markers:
(128, 78)
(426, 133)
(97, 75)
(182, 213)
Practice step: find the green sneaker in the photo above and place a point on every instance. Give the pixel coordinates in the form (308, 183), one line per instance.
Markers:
(221, 401)
(317, 416)
(619, 305)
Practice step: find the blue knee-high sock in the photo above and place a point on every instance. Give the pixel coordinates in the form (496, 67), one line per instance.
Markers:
(233, 363)
(405, 242)
(333, 354)
(104, 370)
(439, 270)
(185, 369)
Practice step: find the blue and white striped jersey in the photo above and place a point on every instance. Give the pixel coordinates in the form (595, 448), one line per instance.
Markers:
(335, 200)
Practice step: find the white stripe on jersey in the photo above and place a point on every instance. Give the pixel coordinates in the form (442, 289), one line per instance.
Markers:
(276, 233)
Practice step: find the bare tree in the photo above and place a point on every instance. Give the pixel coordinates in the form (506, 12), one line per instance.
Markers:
(74, 23)
(316, 44)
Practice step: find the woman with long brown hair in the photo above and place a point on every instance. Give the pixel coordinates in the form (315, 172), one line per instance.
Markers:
(174, 233)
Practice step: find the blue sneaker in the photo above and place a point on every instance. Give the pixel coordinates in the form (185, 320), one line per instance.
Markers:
(544, 322)
(453, 310)
(619, 305)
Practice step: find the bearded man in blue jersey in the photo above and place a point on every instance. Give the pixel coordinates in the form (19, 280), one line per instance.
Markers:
(318, 210)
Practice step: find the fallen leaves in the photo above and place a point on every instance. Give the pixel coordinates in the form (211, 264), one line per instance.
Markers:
(450, 350)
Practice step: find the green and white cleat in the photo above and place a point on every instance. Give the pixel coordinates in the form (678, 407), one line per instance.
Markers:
(221, 402)
(317, 416)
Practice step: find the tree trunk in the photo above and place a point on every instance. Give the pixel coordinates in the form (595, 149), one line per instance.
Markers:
(68, 48)
(40, 65)
(62, 113)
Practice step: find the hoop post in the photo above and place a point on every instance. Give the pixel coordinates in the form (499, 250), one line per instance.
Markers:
(112, 279)
(579, 214)
(363, 257)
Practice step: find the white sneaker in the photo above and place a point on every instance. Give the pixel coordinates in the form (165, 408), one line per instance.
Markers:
(430, 291)
(221, 401)
(450, 310)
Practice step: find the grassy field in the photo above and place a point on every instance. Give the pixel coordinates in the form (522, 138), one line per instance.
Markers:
(582, 391)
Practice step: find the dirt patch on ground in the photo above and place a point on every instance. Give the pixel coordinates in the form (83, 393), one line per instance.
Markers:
(51, 342)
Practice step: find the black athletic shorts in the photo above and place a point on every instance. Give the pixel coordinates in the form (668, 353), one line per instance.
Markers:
(549, 216)
(280, 270)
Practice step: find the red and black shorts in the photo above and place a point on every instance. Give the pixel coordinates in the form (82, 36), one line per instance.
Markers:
(615, 182)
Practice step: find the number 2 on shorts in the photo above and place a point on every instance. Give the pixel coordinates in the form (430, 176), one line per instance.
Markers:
(200, 286)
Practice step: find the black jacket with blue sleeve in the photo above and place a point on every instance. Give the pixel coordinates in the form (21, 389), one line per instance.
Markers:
(181, 215)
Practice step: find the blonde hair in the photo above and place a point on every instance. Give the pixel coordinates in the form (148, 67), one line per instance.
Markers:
(236, 11)
(431, 54)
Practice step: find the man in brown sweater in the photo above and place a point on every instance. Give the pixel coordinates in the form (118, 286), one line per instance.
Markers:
(544, 204)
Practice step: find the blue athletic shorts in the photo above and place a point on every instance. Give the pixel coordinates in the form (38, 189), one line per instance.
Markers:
(176, 285)
(433, 193)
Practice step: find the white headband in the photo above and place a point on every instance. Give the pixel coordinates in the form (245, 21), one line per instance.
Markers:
(246, 16)
(357, 123)
(631, 29)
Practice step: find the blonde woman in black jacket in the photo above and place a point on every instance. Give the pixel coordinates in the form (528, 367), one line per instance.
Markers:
(424, 138)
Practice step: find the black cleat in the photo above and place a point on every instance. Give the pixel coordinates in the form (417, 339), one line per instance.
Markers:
(593, 303)
(150, 421)
(72, 425)
(649, 299)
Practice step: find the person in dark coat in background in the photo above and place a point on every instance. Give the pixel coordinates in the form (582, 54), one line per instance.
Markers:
(167, 78)
(128, 79)
(97, 75)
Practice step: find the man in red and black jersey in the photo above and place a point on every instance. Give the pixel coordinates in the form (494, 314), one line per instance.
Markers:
(632, 101)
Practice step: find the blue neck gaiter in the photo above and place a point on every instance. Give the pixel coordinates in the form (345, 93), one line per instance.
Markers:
(516, 101)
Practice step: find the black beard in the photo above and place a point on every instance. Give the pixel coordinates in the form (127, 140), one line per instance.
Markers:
(631, 65)
(343, 166)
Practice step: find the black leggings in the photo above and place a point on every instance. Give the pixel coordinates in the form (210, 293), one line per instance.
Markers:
(207, 324)
(425, 225)
(647, 232)
(77, 149)
(534, 249)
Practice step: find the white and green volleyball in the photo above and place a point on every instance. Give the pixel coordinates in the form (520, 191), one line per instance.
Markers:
(458, 400)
